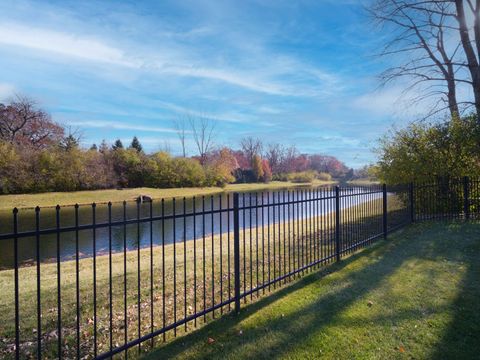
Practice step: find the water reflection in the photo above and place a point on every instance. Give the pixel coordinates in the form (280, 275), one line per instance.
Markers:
(158, 231)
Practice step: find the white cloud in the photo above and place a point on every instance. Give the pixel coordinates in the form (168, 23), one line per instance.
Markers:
(119, 126)
(270, 73)
(62, 43)
(380, 102)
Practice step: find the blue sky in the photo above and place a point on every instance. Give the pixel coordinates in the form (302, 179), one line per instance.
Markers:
(294, 72)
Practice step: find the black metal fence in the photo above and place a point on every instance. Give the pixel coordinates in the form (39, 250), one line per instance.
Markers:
(111, 279)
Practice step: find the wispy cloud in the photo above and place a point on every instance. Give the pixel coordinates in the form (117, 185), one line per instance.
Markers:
(62, 43)
(118, 126)
(284, 76)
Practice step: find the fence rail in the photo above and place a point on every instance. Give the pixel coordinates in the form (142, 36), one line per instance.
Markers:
(97, 281)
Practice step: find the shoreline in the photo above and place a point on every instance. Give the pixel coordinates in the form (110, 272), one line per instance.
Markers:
(87, 197)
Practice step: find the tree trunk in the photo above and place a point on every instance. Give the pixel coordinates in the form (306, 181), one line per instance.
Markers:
(472, 60)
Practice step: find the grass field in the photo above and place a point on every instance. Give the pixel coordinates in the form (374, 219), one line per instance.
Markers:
(8, 202)
(362, 182)
(173, 297)
(414, 296)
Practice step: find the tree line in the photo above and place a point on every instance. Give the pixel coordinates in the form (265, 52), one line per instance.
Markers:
(38, 155)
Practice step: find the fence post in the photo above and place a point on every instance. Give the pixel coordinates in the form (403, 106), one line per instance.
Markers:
(412, 203)
(236, 250)
(466, 196)
(384, 191)
(337, 222)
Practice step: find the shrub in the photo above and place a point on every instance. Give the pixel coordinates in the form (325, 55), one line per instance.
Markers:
(324, 176)
(302, 177)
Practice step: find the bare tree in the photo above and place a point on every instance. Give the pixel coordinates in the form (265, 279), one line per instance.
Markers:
(417, 37)
(275, 154)
(251, 146)
(181, 128)
(165, 147)
(23, 123)
(203, 129)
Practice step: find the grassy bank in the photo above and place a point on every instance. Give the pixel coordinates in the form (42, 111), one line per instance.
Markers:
(7, 202)
(362, 182)
(414, 296)
(179, 300)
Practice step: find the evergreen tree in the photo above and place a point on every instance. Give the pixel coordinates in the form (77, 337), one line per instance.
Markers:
(103, 147)
(69, 142)
(136, 144)
(117, 145)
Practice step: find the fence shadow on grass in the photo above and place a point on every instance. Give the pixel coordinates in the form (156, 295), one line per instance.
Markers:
(281, 335)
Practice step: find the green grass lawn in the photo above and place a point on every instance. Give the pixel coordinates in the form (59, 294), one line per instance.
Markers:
(8, 202)
(414, 296)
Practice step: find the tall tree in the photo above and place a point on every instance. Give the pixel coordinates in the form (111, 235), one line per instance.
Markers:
(136, 144)
(69, 142)
(472, 54)
(203, 130)
(418, 30)
(117, 144)
(181, 130)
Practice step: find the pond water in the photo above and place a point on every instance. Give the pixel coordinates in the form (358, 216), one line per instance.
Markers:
(158, 231)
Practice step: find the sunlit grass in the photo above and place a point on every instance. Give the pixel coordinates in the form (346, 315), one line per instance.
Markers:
(412, 296)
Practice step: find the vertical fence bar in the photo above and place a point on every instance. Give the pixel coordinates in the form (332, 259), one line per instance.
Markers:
(466, 196)
(244, 250)
(94, 232)
(110, 276)
(203, 260)
(77, 282)
(163, 267)
(228, 252)
(139, 294)
(337, 223)
(384, 192)
(15, 265)
(263, 241)
(251, 244)
(194, 212)
(220, 215)
(185, 263)
(212, 219)
(151, 270)
(125, 318)
(59, 284)
(236, 250)
(39, 303)
(174, 244)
